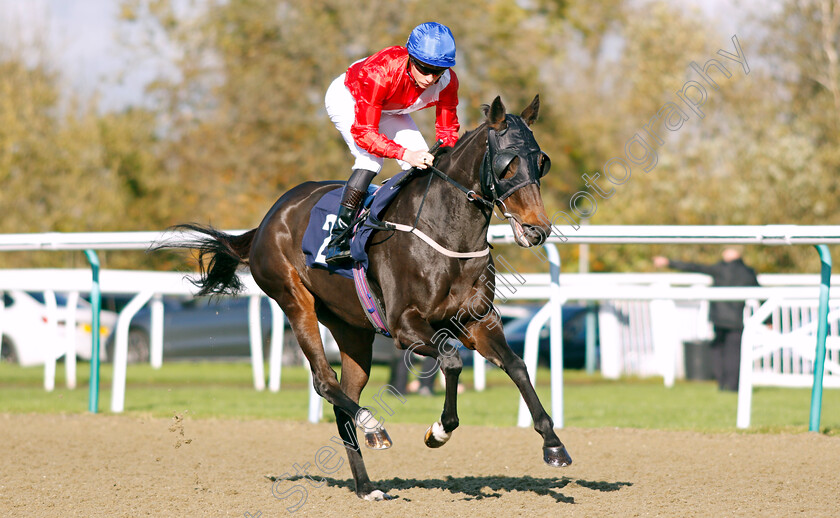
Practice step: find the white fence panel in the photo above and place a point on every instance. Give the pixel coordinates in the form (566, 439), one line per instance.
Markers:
(778, 349)
(783, 351)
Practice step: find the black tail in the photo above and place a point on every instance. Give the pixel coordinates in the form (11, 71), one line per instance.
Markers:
(219, 256)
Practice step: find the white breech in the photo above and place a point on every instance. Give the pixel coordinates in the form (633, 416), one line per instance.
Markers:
(341, 107)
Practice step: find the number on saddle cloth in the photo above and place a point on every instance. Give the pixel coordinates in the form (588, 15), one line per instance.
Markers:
(322, 218)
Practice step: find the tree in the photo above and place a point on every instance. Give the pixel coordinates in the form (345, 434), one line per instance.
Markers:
(246, 117)
(65, 168)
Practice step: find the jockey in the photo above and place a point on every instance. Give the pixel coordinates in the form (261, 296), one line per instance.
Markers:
(370, 103)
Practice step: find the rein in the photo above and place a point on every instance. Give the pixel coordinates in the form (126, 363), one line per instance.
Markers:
(412, 229)
(495, 160)
(471, 194)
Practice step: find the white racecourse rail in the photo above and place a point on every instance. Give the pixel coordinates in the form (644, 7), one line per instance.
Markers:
(662, 296)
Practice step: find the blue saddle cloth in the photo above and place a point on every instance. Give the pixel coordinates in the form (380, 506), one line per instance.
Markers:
(323, 216)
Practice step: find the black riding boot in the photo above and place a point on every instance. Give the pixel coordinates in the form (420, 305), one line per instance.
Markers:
(354, 192)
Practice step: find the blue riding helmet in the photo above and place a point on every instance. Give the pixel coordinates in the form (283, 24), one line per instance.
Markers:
(433, 44)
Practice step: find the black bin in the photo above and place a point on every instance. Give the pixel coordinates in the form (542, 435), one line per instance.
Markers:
(698, 360)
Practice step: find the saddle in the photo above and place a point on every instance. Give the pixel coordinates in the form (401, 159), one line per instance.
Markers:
(323, 216)
(317, 237)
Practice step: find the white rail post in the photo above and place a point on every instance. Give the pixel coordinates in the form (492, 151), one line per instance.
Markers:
(530, 357)
(663, 316)
(52, 346)
(744, 414)
(255, 334)
(70, 344)
(479, 372)
(156, 340)
(556, 336)
(275, 362)
(121, 348)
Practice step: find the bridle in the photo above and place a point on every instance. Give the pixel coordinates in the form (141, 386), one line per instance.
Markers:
(503, 147)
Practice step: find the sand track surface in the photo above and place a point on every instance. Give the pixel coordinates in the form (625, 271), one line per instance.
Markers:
(115, 466)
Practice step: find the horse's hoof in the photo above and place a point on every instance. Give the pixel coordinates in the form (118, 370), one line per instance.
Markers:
(436, 436)
(376, 495)
(556, 456)
(378, 440)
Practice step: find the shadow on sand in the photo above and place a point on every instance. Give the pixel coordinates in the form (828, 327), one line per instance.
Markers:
(477, 488)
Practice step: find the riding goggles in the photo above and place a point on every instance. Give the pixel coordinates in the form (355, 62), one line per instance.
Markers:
(427, 70)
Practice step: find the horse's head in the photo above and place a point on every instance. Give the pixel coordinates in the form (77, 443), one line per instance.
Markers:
(512, 169)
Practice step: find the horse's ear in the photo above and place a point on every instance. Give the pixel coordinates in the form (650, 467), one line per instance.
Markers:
(529, 114)
(496, 115)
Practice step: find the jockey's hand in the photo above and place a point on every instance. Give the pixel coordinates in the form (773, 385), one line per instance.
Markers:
(418, 159)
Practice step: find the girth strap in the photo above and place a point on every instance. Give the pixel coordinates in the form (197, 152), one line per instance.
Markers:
(374, 310)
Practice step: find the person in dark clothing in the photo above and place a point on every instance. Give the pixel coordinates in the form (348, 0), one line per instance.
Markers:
(426, 369)
(727, 316)
(425, 385)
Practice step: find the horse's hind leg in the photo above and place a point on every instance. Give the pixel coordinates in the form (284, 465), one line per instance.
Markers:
(489, 340)
(299, 306)
(355, 345)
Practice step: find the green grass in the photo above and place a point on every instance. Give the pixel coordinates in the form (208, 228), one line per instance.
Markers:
(225, 390)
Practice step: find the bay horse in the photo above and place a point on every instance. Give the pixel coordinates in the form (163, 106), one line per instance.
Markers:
(430, 299)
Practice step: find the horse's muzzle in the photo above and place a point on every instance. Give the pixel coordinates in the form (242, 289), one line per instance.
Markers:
(529, 235)
(537, 234)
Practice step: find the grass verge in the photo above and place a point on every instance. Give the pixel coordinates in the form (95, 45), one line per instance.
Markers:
(225, 390)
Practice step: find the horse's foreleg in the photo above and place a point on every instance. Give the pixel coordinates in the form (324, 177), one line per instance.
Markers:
(440, 432)
(416, 334)
(324, 378)
(489, 340)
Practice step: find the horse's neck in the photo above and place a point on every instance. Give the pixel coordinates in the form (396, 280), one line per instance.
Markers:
(447, 215)
(463, 164)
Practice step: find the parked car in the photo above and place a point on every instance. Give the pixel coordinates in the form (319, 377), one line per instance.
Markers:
(195, 327)
(574, 336)
(217, 328)
(28, 340)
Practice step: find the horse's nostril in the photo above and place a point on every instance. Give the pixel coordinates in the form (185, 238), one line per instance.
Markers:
(535, 234)
(531, 230)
